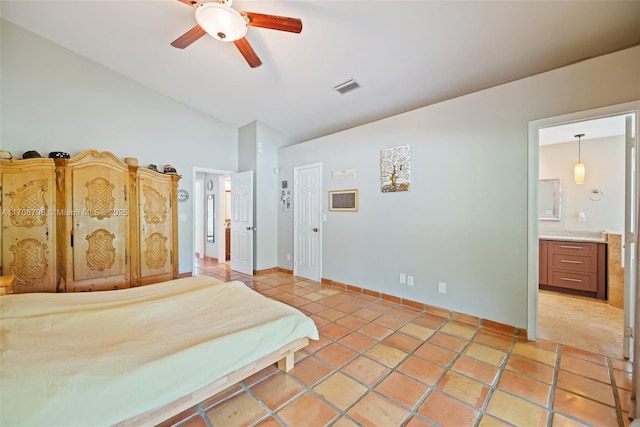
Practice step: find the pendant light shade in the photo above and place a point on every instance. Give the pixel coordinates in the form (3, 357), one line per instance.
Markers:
(578, 173)
(578, 169)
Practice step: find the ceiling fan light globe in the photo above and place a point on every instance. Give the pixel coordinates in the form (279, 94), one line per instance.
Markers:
(221, 21)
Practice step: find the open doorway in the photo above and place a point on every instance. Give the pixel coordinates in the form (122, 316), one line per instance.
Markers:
(593, 216)
(209, 207)
(581, 299)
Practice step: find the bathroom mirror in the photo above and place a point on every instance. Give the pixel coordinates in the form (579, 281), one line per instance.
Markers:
(549, 200)
(211, 218)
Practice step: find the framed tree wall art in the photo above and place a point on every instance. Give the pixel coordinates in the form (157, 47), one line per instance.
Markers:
(395, 169)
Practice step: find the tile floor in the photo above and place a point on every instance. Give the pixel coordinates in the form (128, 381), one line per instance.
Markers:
(381, 364)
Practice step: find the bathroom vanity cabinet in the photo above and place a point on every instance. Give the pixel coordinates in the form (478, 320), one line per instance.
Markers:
(573, 267)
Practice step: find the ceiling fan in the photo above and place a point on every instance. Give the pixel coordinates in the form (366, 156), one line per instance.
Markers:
(222, 22)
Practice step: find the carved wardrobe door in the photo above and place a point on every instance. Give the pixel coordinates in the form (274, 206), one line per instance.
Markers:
(28, 224)
(97, 198)
(155, 222)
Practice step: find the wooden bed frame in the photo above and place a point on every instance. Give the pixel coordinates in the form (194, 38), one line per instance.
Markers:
(284, 356)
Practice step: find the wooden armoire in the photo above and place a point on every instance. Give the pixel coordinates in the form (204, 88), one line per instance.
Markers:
(28, 231)
(108, 225)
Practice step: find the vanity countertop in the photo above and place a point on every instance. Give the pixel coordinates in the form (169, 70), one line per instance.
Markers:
(597, 237)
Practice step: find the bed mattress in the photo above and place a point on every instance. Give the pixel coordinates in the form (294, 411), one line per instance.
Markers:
(99, 358)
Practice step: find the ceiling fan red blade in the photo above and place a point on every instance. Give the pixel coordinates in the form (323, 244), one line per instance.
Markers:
(189, 37)
(273, 22)
(247, 51)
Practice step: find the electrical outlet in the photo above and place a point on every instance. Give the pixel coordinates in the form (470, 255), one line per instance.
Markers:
(403, 278)
(442, 287)
(288, 257)
(409, 280)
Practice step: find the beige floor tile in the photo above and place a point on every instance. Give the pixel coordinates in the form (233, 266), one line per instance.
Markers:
(429, 321)
(586, 387)
(435, 354)
(531, 368)
(532, 351)
(389, 321)
(486, 354)
(417, 421)
(583, 354)
(448, 341)
(357, 341)
(405, 313)
(276, 390)
(375, 331)
(581, 322)
(333, 331)
(351, 322)
(335, 355)
(560, 420)
(421, 370)
(464, 388)
(585, 368)
(475, 369)
(494, 339)
(417, 331)
(367, 313)
(586, 410)
(375, 410)
(240, 410)
(340, 390)
(331, 314)
(525, 387)
(348, 307)
(458, 330)
(447, 411)
(402, 389)
(386, 355)
(345, 421)
(402, 342)
(623, 379)
(365, 370)
(307, 411)
(516, 411)
(269, 422)
(490, 421)
(310, 371)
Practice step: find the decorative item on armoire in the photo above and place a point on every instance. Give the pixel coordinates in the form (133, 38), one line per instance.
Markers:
(395, 169)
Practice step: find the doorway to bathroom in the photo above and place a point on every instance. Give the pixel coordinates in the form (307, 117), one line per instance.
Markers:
(583, 300)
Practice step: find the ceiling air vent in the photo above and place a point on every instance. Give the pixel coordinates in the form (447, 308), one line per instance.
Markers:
(347, 86)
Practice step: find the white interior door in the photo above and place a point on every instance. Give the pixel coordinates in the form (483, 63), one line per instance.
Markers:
(630, 228)
(242, 222)
(199, 220)
(307, 233)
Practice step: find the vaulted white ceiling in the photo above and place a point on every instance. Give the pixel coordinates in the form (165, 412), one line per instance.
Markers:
(404, 54)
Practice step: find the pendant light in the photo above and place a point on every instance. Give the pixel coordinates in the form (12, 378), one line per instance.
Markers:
(578, 169)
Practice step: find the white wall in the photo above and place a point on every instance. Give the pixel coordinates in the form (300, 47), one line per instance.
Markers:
(258, 151)
(55, 100)
(464, 221)
(604, 160)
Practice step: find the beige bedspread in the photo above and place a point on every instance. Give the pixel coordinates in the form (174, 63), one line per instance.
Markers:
(87, 359)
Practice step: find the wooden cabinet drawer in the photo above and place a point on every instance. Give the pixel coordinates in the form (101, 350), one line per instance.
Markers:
(573, 280)
(572, 247)
(584, 262)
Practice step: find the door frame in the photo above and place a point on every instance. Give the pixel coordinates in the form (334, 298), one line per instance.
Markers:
(532, 197)
(194, 172)
(295, 222)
